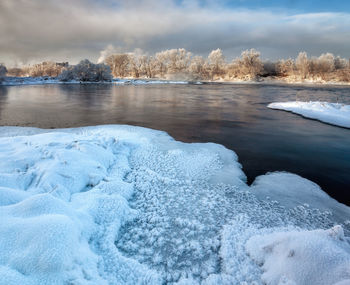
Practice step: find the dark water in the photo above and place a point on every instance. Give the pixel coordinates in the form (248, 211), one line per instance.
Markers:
(233, 115)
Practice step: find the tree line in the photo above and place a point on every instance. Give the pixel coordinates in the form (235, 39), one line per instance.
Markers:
(181, 64)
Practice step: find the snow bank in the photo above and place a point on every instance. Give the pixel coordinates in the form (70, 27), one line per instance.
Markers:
(331, 113)
(146, 82)
(293, 191)
(128, 205)
(14, 81)
(302, 257)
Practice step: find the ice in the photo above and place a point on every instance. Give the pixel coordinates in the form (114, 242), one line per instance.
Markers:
(292, 190)
(129, 205)
(332, 113)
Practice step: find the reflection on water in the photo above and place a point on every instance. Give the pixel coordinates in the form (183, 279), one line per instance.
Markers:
(233, 115)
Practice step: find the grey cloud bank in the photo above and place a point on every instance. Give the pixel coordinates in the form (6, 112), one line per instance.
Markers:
(71, 30)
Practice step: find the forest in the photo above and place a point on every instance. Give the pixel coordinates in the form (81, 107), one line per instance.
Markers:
(180, 64)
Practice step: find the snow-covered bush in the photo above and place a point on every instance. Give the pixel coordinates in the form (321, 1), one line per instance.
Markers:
(87, 72)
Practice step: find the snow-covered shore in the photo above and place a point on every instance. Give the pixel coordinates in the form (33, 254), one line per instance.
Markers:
(129, 205)
(331, 113)
(17, 81)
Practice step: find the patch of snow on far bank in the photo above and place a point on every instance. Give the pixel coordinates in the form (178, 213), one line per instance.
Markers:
(14, 81)
(147, 82)
(128, 205)
(332, 113)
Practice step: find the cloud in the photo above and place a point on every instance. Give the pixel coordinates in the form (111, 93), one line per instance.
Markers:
(72, 30)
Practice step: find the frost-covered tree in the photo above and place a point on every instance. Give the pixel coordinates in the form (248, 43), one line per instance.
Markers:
(340, 63)
(322, 66)
(161, 63)
(179, 60)
(302, 64)
(86, 71)
(173, 61)
(135, 63)
(285, 67)
(119, 64)
(3, 71)
(326, 63)
(46, 68)
(148, 66)
(251, 64)
(216, 63)
(199, 68)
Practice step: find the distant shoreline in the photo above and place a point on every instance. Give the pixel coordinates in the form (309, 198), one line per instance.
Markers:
(45, 80)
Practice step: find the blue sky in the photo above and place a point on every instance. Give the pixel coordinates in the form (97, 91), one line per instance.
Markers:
(295, 6)
(71, 30)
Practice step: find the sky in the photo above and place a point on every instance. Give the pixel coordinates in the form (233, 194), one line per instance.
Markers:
(71, 30)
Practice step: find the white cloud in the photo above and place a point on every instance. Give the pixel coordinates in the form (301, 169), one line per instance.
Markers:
(72, 30)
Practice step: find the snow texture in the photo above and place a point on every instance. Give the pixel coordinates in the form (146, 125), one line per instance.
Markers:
(283, 256)
(128, 205)
(332, 113)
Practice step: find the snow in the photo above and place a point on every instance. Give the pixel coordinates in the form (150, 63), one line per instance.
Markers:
(14, 81)
(283, 256)
(290, 189)
(129, 205)
(332, 113)
(147, 82)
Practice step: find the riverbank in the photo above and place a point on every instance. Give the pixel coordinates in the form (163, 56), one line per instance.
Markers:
(16, 81)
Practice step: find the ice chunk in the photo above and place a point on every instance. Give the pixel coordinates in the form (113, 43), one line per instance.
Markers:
(332, 113)
(291, 190)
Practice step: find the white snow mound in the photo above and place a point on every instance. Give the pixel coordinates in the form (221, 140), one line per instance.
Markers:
(332, 113)
(302, 257)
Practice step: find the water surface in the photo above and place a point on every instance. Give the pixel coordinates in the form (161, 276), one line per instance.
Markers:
(233, 115)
